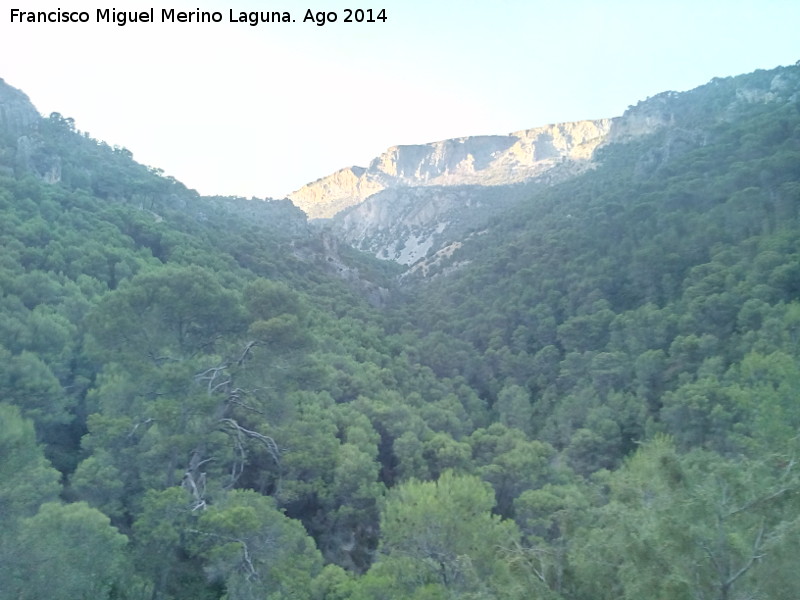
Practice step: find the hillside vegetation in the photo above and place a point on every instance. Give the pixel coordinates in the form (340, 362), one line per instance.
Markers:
(595, 396)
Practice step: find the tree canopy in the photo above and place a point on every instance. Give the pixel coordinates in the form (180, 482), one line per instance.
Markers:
(594, 396)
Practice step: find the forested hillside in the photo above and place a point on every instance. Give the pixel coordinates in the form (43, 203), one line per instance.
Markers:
(596, 397)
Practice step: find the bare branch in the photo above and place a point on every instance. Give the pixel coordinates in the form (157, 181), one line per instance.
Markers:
(266, 440)
(252, 573)
(247, 349)
(751, 561)
(219, 385)
(196, 488)
(713, 559)
(234, 399)
(211, 375)
(135, 427)
(758, 501)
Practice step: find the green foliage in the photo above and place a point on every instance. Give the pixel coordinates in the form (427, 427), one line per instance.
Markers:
(595, 397)
(28, 479)
(441, 536)
(258, 553)
(166, 314)
(51, 538)
(689, 525)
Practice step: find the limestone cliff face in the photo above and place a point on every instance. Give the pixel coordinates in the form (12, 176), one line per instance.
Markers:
(414, 202)
(530, 154)
(332, 194)
(477, 160)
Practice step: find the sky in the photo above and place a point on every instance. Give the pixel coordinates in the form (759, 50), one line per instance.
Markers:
(236, 110)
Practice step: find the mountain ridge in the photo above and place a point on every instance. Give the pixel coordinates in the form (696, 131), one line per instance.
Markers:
(608, 364)
(415, 200)
(471, 160)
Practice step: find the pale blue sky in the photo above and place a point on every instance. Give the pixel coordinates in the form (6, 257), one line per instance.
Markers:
(260, 111)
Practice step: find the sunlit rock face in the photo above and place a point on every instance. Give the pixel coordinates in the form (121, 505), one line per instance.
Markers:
(475, 160)
(412, 200)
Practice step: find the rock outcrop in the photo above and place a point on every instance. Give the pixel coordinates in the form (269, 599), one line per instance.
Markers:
(413, 202)
(477, 160)
(406, 224)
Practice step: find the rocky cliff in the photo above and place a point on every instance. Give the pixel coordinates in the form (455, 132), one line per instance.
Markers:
(406, 224)
(477, 160)
(413, 201)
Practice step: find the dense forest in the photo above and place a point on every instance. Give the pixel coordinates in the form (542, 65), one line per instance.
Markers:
(596, 396)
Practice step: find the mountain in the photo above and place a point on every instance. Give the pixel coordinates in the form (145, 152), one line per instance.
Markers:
(476, 160)
(53, 151)
(415, 201)
(589, 392)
